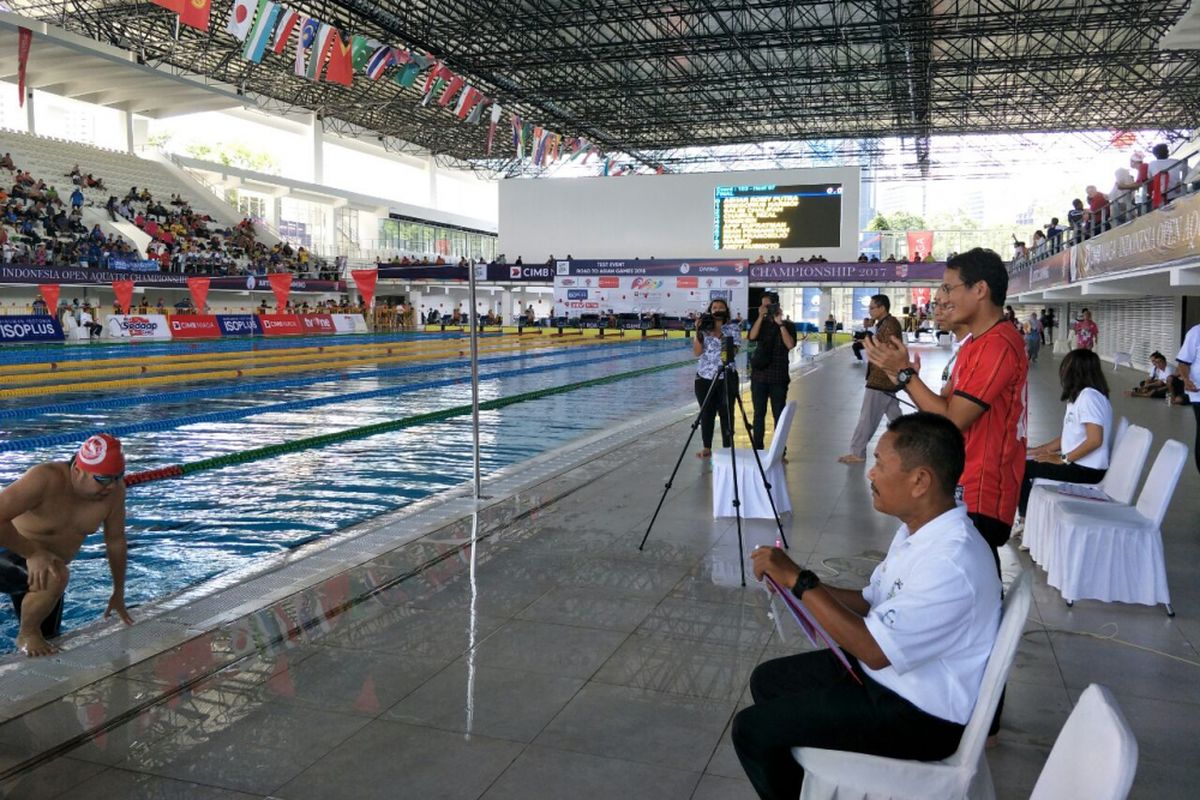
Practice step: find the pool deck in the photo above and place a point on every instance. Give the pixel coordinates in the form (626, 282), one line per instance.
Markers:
(526, 648)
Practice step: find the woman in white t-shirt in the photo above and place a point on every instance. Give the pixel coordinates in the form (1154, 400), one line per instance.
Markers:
(1158, 384)
(1080, 453)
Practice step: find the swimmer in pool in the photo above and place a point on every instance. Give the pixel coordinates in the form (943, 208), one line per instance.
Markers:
(44, 517)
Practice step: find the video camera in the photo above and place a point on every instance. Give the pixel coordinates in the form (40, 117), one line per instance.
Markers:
(708, 323)
(774, 310)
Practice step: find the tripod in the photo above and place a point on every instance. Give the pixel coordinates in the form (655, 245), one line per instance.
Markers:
(726, 375)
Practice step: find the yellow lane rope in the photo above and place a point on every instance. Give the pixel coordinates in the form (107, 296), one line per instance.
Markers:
(227, 374)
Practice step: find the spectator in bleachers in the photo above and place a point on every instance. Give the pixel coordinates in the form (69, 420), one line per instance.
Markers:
(7, 162)
(77, 198)
(90, 182)
(111, 207)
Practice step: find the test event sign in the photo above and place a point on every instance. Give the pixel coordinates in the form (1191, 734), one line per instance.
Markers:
(280, 324)
(1167, 237)
(348, 323)
(672, 288)
(239, 325)
(848, 272)
(30, 328)
(138, 326)
(194, 326)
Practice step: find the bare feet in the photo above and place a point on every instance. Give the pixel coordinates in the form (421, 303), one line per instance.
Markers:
(35, 645)
(704, 453)
(851, 459)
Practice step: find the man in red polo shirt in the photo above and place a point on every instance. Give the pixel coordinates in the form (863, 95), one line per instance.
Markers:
(989, 400)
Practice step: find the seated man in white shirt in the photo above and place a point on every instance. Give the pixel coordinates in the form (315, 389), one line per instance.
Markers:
(919, 635)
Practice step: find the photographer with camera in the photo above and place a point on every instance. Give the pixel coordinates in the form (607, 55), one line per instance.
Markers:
(879, 400)
(714, 329)
(769, 373)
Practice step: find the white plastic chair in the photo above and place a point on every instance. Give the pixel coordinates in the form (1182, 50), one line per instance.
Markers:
(1120, 358)
(753, 495)
(1119, 484)
(838, 775)
(1095, 755)
(1114, 553)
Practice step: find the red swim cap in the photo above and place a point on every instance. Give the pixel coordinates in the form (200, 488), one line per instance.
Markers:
(101, 455)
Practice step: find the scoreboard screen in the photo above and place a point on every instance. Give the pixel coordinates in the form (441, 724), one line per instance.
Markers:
(770, 217)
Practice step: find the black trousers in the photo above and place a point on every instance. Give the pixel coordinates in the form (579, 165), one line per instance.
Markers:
(808, 700)
(716, 407)
(760, 393)
(1055, 472)
(1196, 448)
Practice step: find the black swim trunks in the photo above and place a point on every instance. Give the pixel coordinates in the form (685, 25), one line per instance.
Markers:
(14, 581)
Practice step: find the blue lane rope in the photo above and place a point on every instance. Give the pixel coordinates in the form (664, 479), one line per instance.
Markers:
(123, 401)
(229, 415)
(85, 352)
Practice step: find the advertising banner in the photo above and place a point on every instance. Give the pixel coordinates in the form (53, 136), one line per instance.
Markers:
(922, 296)
(1052, 271)
(316, 323)
(811, 309)
(124, 292)
(238, 325)
(31, 328)
(1018, 282)
(349, 323)
(138, 326)
(848, 272)
(862, 302)
(364, 281)
(527, 273)
(80, 276)
(423, 272)
(280, 324)
(920, 244)
(134, 265)
(1166, 238)
(670, 288)
(194, 326)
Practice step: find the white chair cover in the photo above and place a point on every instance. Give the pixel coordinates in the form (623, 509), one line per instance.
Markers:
(1110, 552)
(755, 502)
(1120, 482)
(1095, 754)
(838, 775)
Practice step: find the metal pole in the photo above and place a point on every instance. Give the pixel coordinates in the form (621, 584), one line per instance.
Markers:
(474, 324)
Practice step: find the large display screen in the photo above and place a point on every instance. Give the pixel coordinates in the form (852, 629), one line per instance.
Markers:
(771, 217)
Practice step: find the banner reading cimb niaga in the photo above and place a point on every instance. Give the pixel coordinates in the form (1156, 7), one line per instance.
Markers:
(667, 288)
(1167, 237)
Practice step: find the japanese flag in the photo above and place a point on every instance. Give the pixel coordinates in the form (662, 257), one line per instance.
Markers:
(241, 17)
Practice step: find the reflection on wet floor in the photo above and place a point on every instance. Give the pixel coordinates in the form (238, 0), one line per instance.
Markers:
(535, 652)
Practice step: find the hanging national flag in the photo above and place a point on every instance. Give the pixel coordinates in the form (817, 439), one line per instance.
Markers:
(455, 83)
(539, 145)
(241, 17)
(439, 71)
(492, 123)
(607, 166)
(341, 61)
(283, 28)
(362, 48)
(24, 42)
(320, 51)
(581, 147)
(195, 13)
(467, 101)
(527, 135)
(476, 113)
(260, 32)
(407, 76)
(422, 60)
(170, 5)
(437, 87)
(308, 35)
(380, 60)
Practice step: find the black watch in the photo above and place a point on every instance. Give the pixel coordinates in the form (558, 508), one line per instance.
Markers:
(905, 375)
(806, 580)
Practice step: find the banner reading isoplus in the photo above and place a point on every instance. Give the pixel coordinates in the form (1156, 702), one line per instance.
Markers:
(239, 325)
(30, 328)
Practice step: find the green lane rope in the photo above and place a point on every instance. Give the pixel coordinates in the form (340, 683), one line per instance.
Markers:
(271, 451)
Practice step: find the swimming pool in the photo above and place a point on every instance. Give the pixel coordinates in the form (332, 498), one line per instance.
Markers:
(186, 530)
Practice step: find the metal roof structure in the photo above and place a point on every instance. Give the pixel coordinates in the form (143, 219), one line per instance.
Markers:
(665, 83)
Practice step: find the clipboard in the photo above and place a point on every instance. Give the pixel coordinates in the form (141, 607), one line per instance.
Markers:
(812, 629)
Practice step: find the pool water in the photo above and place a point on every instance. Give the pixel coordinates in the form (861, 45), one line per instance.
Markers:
(185, 530)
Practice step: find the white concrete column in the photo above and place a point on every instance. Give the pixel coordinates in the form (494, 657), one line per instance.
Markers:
(130, 141)
(30, 122)
(506, 305)
(317, 136)
(431, 172)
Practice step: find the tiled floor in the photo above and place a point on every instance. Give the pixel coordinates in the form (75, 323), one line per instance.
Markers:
(556, 660)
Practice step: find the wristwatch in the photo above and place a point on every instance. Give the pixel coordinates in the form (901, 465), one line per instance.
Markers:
(805, 581)
(1064, 458)
(905, 375)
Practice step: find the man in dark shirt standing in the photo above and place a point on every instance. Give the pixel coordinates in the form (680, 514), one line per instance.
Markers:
(769, 371)
(879, 400)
